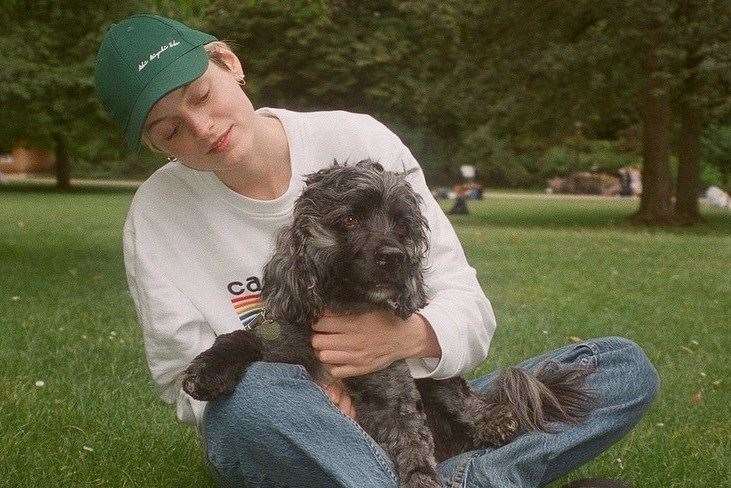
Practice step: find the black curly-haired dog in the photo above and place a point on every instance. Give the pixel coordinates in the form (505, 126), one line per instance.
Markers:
(357, 242)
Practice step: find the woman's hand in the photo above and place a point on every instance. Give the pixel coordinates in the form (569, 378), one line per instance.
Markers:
(339, 396)
(357, 344)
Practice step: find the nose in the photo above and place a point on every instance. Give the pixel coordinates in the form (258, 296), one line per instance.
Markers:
(388, 256)
(199, 124)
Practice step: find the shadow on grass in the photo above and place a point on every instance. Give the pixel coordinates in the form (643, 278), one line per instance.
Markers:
(555, 214)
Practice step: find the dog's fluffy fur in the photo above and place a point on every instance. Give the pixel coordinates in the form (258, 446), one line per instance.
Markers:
(357, 242)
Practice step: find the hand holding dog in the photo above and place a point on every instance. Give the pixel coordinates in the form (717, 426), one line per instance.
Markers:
(357, 344)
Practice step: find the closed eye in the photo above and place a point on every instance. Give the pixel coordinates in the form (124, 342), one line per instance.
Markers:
(171, 134)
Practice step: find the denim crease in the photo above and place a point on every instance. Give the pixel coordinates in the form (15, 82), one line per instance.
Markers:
(279, 429)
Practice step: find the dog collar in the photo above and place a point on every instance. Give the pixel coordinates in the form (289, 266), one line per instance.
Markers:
(268, 328)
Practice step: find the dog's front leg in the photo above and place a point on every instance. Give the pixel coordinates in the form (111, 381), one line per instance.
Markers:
(389, 409)
(217, 370)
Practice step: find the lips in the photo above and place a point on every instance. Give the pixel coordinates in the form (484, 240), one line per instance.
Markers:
(221, 143)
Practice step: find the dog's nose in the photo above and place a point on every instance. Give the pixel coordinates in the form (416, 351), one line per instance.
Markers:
(389, 256)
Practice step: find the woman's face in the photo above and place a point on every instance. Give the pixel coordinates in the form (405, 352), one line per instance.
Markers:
(208, 124)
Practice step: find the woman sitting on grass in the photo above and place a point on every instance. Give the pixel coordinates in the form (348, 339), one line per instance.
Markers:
(201, 228)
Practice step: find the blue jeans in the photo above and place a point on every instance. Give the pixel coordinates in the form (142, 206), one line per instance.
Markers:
(279, 429)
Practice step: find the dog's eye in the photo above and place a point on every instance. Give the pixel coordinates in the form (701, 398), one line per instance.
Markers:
(348, 222)
(400, 228)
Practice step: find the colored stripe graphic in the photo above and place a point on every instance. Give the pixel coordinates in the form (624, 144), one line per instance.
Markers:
(247, 308)
(245, 299)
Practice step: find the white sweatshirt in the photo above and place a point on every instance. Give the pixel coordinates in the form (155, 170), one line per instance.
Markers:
(194, 251)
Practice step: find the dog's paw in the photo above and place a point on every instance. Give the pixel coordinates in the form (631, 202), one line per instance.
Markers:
(495, 426)
(207, 379)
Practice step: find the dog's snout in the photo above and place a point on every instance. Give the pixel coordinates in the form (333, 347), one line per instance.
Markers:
(389, 256)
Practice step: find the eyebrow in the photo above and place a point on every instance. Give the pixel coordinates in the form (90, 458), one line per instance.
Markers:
(149, 126)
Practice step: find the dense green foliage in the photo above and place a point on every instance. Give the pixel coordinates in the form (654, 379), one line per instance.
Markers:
(554, 268)
(500, 85)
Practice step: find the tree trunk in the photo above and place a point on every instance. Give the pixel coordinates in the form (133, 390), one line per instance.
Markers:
(655, 201)
(63, 178)
(689, 151)
(686, 201)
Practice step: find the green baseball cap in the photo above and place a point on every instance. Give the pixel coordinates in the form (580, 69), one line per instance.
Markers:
(140, 60)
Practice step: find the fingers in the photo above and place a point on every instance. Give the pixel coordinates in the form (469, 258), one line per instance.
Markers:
(321, 342)
(328, 357)
(340, 398)
(335, 393)
(341, 371)
(346, 405)
(346, 371)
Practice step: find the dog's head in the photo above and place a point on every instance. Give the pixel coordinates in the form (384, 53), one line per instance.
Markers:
(357, 236)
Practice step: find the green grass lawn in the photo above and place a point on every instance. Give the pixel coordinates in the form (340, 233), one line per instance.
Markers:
(553, 268)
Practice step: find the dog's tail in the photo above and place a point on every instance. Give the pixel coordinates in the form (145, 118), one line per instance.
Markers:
(555, 393)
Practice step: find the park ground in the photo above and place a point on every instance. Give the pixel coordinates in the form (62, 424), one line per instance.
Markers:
(78, 407)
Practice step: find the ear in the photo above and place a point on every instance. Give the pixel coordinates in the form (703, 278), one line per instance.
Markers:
(370, 164)
(291, 288)
(316, 177)
(227, 57)
(412, 297)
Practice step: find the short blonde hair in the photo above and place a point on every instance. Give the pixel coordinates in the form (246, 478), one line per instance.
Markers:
(213, 50)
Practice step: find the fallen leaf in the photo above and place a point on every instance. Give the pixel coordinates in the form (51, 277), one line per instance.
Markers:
(660, 424)
(702, 374)
(15, 298)
(686, 349)
(40, 383)
(576, 339)
(87, 448)
(717, 383)
(697, 398)
(694, 342)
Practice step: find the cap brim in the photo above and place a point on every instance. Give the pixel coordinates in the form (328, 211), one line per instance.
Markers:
(183, 70)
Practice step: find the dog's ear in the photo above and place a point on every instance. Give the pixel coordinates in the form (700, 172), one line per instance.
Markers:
(292, 279)
(316, 177)
(370, 164)
(411, 298)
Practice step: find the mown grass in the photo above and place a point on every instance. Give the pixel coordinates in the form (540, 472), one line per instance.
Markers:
(553, 268)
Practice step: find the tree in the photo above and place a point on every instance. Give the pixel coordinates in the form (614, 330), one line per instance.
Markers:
(703, 67)
(46, 75)
(387, 58)
(538, 69)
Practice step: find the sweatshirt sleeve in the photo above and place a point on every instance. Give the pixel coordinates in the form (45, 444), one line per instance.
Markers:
(173, 329)
(458, 310)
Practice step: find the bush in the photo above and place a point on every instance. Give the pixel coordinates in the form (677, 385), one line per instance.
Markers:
(716, 151)
(581, 154)
(497, 162)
